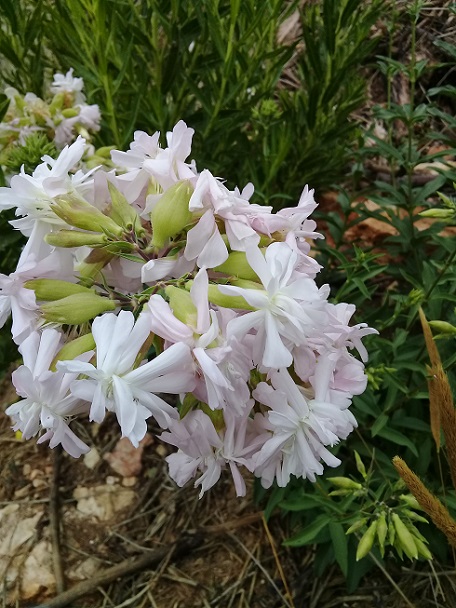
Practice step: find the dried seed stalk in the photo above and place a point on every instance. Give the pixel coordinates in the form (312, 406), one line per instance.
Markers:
(429, 503)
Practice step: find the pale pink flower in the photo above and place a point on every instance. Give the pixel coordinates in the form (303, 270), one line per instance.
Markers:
(46, 400)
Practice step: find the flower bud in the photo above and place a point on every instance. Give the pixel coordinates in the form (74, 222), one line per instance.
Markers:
(410, 501)
(123, 213)
(443, 327)
(171, 214)
(182, 305)
(366, 542)
(236, 265)
(406, 540)
(345, 482)
(77, 308)
(57, 102)
(356, 526)
(70, 112)
(360, 465)
(73, 349)
(441, 214)
(76, 211)
(53, 289)
(74, 238)
(215, 296)
(422, 549)
(382, 531)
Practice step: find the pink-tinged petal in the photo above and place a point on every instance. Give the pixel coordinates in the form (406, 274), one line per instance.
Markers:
(175, 358)
(214, 252)
(199, 294)
(125, 405)
(258, 263)
(159, 409)
(276, 354)
(199, 235)
(103, 328)
(210, 368)
(84, 389)
(99, 405)
(239, 482)
(29, 350)
(173, 383)
(163, 323)
(241, 325)
(77, 367)
(154, 270)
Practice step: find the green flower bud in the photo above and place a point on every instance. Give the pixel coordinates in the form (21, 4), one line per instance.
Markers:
(360, 465)
(73, 349)
(422, 549)
(441, 214)
(182, 305)
(345, 482)
(74, 238)
(391, 533)
(406, 540)
(171, 213)
(76, 211)
(123, 213)
(236, 265)
(356, 526)
(53, 289)
(105, 151)
(77, 308)
(443, 327)
(366, 542)
(70, 112)
(215, 296)
(410, 501)
(414, 516)
(57, 103)
(382, 530)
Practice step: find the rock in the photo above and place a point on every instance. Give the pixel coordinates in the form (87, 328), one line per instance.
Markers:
(125, 459)
(36, 574)
(103, 502)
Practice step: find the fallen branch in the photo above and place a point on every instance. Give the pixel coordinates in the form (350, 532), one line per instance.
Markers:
(187, 543)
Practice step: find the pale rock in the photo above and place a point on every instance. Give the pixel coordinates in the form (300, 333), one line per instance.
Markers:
(36, 574)
(92, 458)
(103, 502)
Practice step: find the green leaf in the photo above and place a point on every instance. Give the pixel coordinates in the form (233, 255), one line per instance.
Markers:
(398, 438)
(379, 424)
(309, 533)
(340, 545)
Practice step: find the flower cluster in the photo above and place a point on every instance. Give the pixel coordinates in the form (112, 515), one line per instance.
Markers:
(154, 279)
(32, 122)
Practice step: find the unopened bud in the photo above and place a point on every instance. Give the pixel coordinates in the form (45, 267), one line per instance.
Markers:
(422, 548)
(366, 542)
(182, 305)
(76, 309)
(382, 531)
(57, 103)
(73, 349)
(76, 211)
(53, 289)
(405, 538)
(171, 214)
(70, 112)
(215, 296)
(441, 214)
(123, 213)
(238, 266)
(74, 238)
(443, 327)
(345, 482)
(356, 526)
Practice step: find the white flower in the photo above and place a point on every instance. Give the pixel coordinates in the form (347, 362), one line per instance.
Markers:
(67, 83)
(115, 384)
(47, 403)
(289, 304)
(301, 428)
